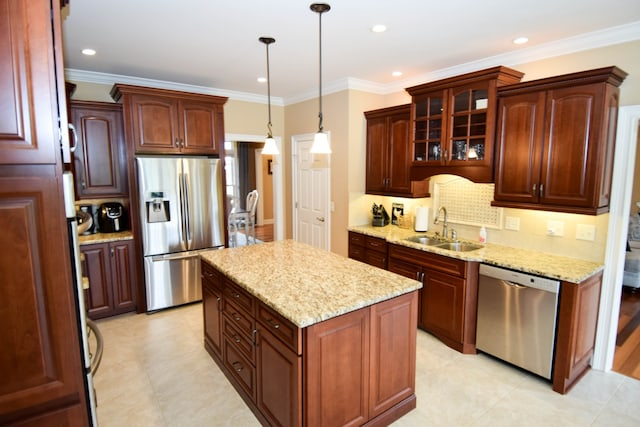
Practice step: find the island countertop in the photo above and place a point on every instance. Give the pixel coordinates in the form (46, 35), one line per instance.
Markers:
(304, 284)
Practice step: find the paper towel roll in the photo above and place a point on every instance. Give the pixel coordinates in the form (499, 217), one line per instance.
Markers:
(422, 219)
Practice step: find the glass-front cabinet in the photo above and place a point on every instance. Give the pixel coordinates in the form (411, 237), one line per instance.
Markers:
(453, 124)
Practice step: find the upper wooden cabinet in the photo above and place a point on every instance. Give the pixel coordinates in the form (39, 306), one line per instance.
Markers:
(556, 141)
(29, 107)
(453, 124)
(100, 159)
(161, 121)
(388, 154)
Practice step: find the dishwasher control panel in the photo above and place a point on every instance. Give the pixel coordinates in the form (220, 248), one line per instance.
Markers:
(520, 278)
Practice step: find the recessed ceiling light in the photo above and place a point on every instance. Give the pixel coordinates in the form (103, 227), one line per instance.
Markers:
(379, 28)
(396, 73)
(262, 79)
(88, 52)
(520, 40)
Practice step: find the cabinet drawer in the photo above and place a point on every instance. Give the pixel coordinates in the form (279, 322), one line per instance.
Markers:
(356, 252)
(280, 327)
(356, 238)
(375, 244)
(240, 369)
(210, 275)
(376, 259)
(239, 340)
(239, 296)
(429, 260)
(241, 320)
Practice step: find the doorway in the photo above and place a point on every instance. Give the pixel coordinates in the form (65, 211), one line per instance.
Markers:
(611, 294)
(274, 228)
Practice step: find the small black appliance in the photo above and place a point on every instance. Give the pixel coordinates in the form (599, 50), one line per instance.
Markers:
(88, 214)
(112, 217)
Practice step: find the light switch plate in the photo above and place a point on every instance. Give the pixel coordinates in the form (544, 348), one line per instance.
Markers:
(555, 228)
(586, 232)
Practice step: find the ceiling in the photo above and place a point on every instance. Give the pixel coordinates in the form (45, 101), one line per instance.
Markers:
(214, 44)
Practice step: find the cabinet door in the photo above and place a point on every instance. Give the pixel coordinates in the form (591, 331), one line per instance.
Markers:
(569, 168)
(429, 133)
(519, 148)
(199, 125)
(96, 266)
(412, 271)
(336, 371)
(393, 343)
(29, 108)
(40, 366)
(377, 155)
(100, 161)
(442, 300)
(155, 124)
(123, 274)
(279, 396)
(399, 153)
(212, 309)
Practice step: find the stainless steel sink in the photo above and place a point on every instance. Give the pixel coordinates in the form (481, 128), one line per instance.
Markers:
(459, 246)
(438, 242)
(425, 240)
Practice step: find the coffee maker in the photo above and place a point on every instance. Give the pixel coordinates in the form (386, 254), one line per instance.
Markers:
(112, 217)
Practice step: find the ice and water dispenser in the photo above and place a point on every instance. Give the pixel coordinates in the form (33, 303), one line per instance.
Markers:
(157, 208)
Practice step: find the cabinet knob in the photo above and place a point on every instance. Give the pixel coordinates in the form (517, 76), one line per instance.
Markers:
(274, 324)
(533, 191)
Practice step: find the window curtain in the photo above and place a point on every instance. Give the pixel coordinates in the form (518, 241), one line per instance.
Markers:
(243, 152)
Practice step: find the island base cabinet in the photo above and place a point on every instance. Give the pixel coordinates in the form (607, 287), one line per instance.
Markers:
(360, 367)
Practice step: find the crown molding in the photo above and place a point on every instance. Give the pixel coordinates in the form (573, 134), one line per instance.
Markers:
(111, 79)
(596, 39)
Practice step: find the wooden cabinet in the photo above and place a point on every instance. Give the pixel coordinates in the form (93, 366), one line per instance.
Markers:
(453, 124)
(556, 141)
(369, 249)
(448, 298)
(212, 309)
(159, 121)
(100, 159)
(365, 358)
(576, 333)
(41, 368)
(388, 155)
(111, 270)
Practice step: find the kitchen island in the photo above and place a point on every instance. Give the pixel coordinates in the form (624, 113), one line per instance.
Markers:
(308, 337)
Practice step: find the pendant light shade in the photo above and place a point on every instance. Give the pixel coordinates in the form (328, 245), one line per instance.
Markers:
(270, 146)
(321, 139)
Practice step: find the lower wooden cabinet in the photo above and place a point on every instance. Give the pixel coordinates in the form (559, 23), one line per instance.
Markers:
(576, 333)
(354, 369)
(448, 298)
(111, 270)
(368, 249)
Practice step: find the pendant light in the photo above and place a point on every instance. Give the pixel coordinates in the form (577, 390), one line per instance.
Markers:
(320, 139)
(270, 146)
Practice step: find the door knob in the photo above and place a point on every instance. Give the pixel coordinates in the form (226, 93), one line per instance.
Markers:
(320, 218)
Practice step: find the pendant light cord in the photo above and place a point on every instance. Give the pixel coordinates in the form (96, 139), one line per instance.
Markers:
(320, 73)
(268, 94)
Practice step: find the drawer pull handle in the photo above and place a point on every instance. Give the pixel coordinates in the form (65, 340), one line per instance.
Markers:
(235, 338)
(237, 366)
(235, 316)
(236, 295)
(274, 324)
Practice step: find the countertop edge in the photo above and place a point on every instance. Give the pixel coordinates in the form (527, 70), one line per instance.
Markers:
(549, 265)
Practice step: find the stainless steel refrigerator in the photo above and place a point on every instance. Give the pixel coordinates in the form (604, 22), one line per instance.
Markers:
(181, 208)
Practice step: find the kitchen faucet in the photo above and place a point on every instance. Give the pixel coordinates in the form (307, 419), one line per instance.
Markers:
(444, 224)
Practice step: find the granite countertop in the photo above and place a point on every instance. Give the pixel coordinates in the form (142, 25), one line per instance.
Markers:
(540, 263)
(104, 237)
(304, 284)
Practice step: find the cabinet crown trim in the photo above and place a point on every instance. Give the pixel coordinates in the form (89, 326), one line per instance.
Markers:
(611, 75)
(503, 75)
(118, 90)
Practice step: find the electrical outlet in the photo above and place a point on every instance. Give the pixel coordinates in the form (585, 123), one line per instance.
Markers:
(555, 228)
(586, 232)
(512, 223)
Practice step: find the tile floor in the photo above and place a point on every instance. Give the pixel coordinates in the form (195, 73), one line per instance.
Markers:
(155, 372)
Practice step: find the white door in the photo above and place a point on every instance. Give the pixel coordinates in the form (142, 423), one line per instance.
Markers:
(310, 194)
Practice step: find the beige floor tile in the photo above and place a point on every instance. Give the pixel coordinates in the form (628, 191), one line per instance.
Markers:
(155, 372)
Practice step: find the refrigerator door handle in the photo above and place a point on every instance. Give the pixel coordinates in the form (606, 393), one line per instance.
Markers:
(183, 209)
(187, 214)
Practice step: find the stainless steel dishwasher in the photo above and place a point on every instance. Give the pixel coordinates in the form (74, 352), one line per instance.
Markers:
(517, 318)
